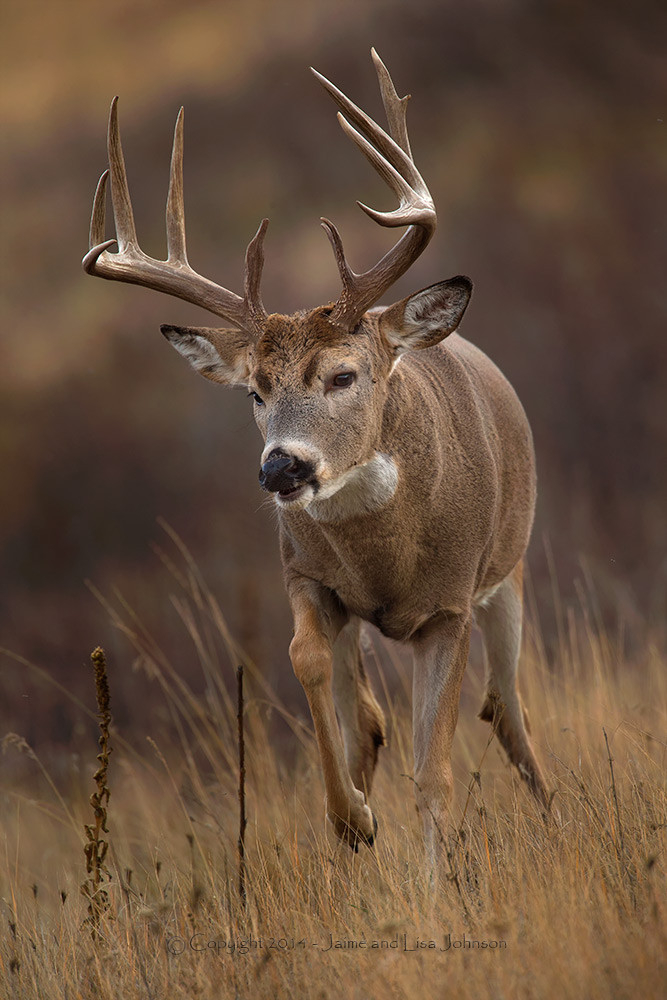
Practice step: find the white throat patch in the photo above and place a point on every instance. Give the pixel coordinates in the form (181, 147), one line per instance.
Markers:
(360, 490)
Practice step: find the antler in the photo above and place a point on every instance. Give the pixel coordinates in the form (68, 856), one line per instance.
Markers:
(173, 275)
(391, 157)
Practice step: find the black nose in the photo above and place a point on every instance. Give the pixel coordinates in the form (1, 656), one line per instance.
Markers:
(283, 472)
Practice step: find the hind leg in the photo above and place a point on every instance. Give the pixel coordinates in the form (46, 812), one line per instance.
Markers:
(361, 718)
(500, 620)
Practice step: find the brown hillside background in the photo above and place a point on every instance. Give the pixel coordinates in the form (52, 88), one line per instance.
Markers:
(542, 132)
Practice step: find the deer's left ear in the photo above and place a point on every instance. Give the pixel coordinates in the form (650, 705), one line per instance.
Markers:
(221, 355)
(427, 317)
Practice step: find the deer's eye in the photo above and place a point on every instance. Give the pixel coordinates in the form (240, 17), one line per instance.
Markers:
(256, 398)
(343, 380)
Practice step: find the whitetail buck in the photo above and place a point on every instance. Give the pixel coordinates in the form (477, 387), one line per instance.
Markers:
(405, 491)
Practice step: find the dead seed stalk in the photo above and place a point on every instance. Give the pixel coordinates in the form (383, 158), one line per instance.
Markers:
(96, 847)
(242, 813)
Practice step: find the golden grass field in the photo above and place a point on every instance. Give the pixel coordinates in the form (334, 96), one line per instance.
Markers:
(523, 907)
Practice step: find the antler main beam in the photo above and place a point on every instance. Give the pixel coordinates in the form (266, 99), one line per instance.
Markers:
(173, 275)
(390, 155)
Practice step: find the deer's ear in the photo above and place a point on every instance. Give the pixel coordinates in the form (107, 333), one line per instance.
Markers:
(221, 355)
(427, 317)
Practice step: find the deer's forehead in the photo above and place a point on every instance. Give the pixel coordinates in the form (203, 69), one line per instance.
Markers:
(302, 370)
(299, 354)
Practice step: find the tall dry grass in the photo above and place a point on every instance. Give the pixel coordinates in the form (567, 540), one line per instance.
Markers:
(524, 908)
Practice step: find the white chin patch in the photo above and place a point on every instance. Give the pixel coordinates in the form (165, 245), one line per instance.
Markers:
(360, 490)
(299, 502)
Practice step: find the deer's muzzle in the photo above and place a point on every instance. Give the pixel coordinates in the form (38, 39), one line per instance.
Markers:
(285, 474)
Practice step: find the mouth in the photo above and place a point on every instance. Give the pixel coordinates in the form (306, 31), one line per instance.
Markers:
(293, 493)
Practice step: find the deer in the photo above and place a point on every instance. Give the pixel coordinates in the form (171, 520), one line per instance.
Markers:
(400, 462)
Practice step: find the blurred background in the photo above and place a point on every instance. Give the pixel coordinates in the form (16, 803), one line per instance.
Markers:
(541, 130)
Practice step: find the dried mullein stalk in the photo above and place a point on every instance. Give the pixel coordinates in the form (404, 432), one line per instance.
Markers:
(96, 847)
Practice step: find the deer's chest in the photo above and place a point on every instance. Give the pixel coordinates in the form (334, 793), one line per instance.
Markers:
(376, 573)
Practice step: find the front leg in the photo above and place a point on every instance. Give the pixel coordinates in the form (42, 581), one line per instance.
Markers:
(317, 621)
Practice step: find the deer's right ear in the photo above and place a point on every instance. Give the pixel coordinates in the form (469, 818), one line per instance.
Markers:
(221, 355)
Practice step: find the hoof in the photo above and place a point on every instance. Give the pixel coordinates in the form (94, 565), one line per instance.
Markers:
(353, 837)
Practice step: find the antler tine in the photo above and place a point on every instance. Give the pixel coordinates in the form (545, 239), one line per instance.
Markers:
(120, 192)
(395, 107)
(254, 265)
(99, 213)
(96, 242)
(392, 159)
(347, 275)
(174, 276)
(176, 250)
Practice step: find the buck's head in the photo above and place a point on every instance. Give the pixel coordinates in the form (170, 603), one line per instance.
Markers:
(318, 389)
(318, 380)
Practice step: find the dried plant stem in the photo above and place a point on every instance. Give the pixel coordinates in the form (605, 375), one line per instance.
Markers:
(620, 844)
(96, 846)
(613, 789)
(242, 815)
